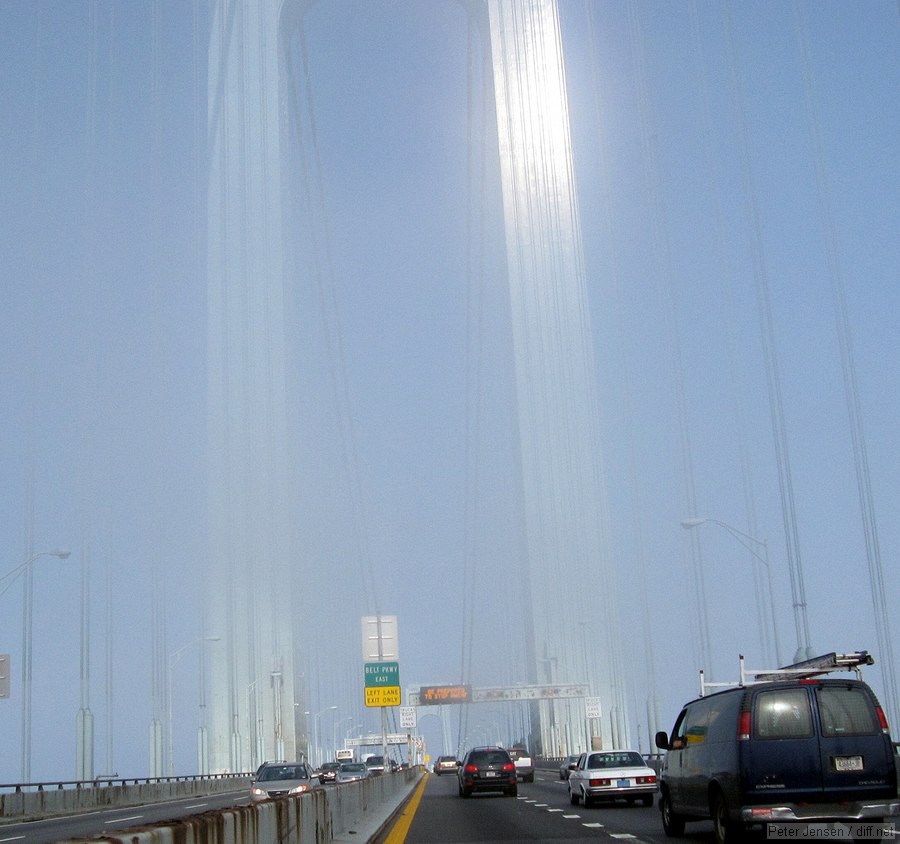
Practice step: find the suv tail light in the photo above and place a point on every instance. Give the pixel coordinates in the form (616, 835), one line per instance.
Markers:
(508, 766)
(882, 720)
(471, 769)
(744, 726)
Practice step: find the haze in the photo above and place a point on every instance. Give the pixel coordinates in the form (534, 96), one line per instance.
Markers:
(737, 184)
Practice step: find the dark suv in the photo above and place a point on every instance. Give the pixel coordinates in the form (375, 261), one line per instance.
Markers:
(487, 769)
(783, 751)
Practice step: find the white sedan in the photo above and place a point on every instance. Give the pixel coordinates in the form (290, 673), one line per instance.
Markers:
(612, 775)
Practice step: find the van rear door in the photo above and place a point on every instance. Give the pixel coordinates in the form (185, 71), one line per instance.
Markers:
(856, 753)
(780, 758)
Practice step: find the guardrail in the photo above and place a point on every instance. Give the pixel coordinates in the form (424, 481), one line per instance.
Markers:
(106, 780)
(32, 801)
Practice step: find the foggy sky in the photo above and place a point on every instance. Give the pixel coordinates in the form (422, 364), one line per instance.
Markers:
(102, 193)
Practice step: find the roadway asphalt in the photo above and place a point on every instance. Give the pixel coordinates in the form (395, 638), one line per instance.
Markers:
(436, 814)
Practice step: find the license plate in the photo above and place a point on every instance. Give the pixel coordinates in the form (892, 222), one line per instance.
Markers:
(623, 783)
(848, 763)
(490, 773)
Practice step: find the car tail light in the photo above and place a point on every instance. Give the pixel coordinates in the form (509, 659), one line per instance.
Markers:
(599, 783)
(744, 726)
(508, 766)
(645, 780)
(471, 769)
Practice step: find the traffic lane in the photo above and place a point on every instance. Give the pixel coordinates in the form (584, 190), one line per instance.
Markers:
(620, 820)
(541, 812)
(112, 822)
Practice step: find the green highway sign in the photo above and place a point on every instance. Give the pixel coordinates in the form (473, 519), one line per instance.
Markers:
(382, 674)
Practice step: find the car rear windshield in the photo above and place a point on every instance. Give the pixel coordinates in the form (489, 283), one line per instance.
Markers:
(782, 713)
(846, 711)
(599, 761)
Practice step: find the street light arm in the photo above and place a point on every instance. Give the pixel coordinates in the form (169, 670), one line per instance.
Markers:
(62, 553)
(739, 535)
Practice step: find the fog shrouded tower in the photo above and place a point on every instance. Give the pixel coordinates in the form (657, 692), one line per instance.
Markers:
(253, 681)
(569, 569)
(251, 690)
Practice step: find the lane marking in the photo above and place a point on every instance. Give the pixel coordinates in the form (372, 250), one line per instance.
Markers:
(197, 806)
(593, 825)
(570, 817)
(121, 820)
(13, 838)
(400, 829)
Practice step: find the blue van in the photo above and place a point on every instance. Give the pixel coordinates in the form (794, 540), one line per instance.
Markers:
(780, 751)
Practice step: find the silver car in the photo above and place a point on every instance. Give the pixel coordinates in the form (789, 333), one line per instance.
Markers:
(278, 779)
(351, 772)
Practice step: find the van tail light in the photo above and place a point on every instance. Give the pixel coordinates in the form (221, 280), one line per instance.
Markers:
(744, 726)
(881, 719)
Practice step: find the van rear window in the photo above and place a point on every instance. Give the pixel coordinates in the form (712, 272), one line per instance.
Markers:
(846, 711)
(782, 714)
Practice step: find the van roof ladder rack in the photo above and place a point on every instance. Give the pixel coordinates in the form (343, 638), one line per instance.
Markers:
(814, 667)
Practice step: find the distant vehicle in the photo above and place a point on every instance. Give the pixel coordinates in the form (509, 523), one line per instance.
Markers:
(790, 747)
(344, 754)
(279, 779)
(487, 769)
(611, 775)
(375, 764)
(445, 765)
(351, 772)
(328, 771)
(523, 762)
(565, 767)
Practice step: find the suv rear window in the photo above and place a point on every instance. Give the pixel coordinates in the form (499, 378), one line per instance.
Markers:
(846, 711)
(781, 714)
(489, 757)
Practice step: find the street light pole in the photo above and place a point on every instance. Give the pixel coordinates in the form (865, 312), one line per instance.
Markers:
(745, 539)
(28, 602)
(316, 754)
(174, 658)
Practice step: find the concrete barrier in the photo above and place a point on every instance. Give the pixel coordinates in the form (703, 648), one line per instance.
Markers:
(350, 812)
(45, 803)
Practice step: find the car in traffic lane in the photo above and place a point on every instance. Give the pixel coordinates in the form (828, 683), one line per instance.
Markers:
(279, 779)
(445, 765)
(375, 765)
(612, 775)
(351, 772)
(487, 769)
(328, 771)
(565, 767)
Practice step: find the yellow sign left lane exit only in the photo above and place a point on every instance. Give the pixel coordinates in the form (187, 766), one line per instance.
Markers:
(383, 696)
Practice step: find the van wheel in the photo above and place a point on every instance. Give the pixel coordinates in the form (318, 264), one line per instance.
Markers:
(726, 831)
(673, 824)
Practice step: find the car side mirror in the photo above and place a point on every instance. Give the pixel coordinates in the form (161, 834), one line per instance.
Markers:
(662, 740)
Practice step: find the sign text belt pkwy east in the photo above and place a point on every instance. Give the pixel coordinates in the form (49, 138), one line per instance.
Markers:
(382, 683)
